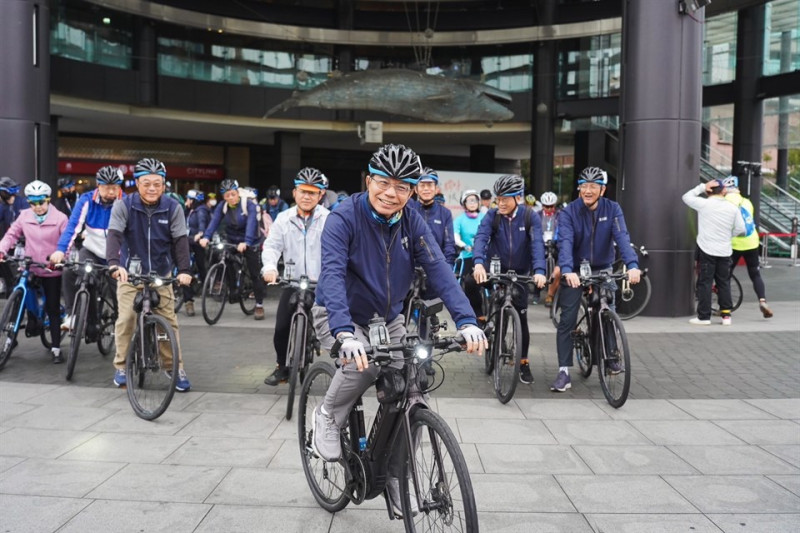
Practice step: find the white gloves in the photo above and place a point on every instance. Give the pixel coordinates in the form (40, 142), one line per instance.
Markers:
(472, 334)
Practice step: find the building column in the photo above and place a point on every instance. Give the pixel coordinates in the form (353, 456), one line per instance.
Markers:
(25, 152)
(544, 98)
(287, 145)
(146, 63)
(661, 118)
(782, 171)
(481, 158)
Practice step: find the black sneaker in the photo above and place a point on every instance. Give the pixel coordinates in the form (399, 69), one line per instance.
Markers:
(525, 375)
(281, 375)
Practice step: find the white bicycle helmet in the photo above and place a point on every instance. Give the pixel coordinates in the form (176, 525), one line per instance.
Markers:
(38, 188)
(549, 198)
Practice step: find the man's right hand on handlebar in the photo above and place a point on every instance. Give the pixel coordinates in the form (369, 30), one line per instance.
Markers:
(573, 280)
(203, 242)
(479, 273)
(352, 348)
(271, 276)
(119, 274)
(57, 258)
(475, 339)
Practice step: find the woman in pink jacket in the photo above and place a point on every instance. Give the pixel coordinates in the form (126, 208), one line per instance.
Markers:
(42, 226)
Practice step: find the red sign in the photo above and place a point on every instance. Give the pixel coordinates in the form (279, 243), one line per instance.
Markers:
(194, 172)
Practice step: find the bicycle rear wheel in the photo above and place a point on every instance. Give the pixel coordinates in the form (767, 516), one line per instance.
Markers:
(615, 382)
(326, 480)
(555, 310)
(736, 296)
(8, 322)
(108, 320)
(150, 380)
(580, 341)
(78, 333)
(508, 354)
(445, 489)
(631, 302)
(215, 294)
(247, 294)
(296, 354)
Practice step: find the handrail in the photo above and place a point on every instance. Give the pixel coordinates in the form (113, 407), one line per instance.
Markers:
(783, 192)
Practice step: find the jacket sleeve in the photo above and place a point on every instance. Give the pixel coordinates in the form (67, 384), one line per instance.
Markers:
(76, 219)
(538, 262)
(203, 216)
(215, 220)
(11, 236)
(566, 237)
(482, 238)
(449, 248)
(336, 251)
(116, 228)
(251, 235)
(275, 244)
(623, 239)
(692, 197)
(457, 233)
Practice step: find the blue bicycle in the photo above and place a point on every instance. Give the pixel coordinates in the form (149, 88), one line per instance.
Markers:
(27, 295)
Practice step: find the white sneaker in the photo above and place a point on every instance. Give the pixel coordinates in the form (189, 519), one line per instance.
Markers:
(68, 323)
(697, 322)
(726, 320)
(393, 489)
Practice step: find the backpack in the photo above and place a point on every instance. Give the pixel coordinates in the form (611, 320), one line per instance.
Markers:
(749, 223)
(528, 215)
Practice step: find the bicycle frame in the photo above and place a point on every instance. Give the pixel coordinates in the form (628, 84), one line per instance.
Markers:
(31, 295)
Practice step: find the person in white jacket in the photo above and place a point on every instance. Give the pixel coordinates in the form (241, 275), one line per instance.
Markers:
(717, 221)
(296, 235)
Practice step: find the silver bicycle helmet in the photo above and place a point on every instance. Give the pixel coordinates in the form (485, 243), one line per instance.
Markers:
(149, 166)
(396, 161)
(311, 176)
(593, 175)
(109, 175)
(509, 185)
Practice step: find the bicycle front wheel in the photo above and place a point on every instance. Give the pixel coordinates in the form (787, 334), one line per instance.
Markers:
(296, 355)
(632, 301)
(580, 340)
(508, 354)
(446, 499)
(150, 379)
(215, 294)
(107, 326)
(78, 333)
(555, 310)
(614, 359)
(8, 321)
(247, 293)
(736, 296)
(326, 480)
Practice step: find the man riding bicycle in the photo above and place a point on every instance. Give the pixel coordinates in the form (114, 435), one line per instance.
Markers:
(587, 230)
(436, 216)
(549, 217)
(512, 232)
(197, 217)
(296, 235)
(371, 244)
(465, 227)
(154, 229)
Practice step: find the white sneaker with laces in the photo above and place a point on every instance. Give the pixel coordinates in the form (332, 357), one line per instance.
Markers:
(698, 322)
(726, 321)
(68, 323)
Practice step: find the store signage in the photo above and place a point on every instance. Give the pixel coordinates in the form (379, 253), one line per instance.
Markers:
(90, 168)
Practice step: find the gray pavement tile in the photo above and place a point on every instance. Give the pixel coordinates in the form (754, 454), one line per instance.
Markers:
(757, 523)
(126, 447)
(533, 522)
(623, 494)
(259, 486)
(126, 421)
(7, 462)
(561, 409)
(134, 517)
(642, 460)
(215, 402)
(60, 417)
(651, 523)
(763, 431)
(161, 483)
(789, 482)
(231, 425)
(732, 460)
(359, 519)
(472, 458)
(788, 452)
(44, 443)
(77, 396)
(11, 392)
(287, 457)
(9, 410)
(49, 513)
(241, 519)
(595, 432)
(530, 459)
(645, 410)
(38, 477)
(722, 410)
(735, 494)
(477, 408)
(179, 401)
(788, 408)
(505, 493)
(211, 451)
(690, 432)
(485, 431)
(287, 429)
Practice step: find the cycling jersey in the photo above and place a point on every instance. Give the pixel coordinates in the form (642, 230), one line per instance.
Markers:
(89, 220)
(517, 250)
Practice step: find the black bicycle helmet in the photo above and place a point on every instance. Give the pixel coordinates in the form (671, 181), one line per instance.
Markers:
(593, 175)
(65, 183)
(486, 194)
(311, 176)
(227, 185)
(109, 175)
(396, 161)
(429, 175)
(273, 192)
(149, 166)
(509, 185)
(8, 186)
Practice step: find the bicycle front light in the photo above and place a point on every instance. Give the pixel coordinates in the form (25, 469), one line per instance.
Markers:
(421, 352)
(220, 246)
(87, 268)
(158, 282)
(303, 285)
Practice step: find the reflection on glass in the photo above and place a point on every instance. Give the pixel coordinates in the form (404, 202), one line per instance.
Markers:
(589, 67)
(719, 49)
(782, 37)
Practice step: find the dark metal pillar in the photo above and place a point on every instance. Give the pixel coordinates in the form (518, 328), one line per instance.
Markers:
(145, 63)
(52, 171)
(661, 117)
(544, 98)
(782, 173)
(481, 158)
(287, 146)
(25, 90)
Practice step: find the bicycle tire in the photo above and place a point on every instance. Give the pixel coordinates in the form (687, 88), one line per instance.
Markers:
(215, 294)
(555, 310)
(736, 296)
(8, 321)
(446, 489)
(328, 495)
(177, 301)
(616, 392)
(78, 333)
(44, 333)
(108, 320)
(247, 297)
(296, 351)
(632, 303)
(151, 383)
(580, 341)
(508, 354)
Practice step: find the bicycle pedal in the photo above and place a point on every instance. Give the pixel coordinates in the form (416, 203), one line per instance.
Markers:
(162, 337)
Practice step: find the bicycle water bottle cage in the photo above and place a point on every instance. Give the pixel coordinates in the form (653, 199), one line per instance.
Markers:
(390, 385)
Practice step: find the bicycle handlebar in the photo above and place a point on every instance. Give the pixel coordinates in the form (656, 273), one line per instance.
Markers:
(154, 279)
(298, 282)
(411, 347)
(29, 261)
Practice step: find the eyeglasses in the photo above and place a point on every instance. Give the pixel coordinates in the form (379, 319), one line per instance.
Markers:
(590, 186)
(150, 185)
(384, 185)
(39, 202)
(304, 192)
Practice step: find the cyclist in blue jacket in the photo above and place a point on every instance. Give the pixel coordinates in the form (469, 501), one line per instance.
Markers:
(371, 244)
(516, 238)
(436, 216)
(587, 230)
(198, 216)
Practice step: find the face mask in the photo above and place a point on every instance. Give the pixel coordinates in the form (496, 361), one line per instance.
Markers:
(212, 203)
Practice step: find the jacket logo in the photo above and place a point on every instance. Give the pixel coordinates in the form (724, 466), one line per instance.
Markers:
(522, 229)
(602, 219)
(163, 221)
(437, 221)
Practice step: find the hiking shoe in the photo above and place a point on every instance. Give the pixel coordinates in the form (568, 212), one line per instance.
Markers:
(182, 385)
(726, 320)
(326, 442)
(700, 322)
(765, 310)
(57, 357)
(614, 367)
(562, 382)
(189, 306)
(259, 313)
(68, 323)
(119, 377)
(395, 500)
(281, 375)
(525, 375)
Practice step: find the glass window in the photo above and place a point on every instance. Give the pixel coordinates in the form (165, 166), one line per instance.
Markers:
(589, 67)
(782, 37)
(508, 73)
(92, 37)
(718, 136)
(719, 49)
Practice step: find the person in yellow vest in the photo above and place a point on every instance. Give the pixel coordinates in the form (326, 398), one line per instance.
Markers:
(747, 246)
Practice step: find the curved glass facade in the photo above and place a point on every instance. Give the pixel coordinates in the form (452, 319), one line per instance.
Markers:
(782, 37)
(92, 38)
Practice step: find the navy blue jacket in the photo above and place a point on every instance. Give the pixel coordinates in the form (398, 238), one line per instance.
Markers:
(9, 213)
(585, 234)
(197, 219)
(517, 251)
(239, 227)
(368, 266)
(273, 211)
(440, 222)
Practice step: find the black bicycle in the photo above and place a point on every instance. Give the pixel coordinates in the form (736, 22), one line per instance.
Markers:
(434, 471)
(94, 311)
(631, 299)
(216, 289)
(303, 343)
(150, 378)
(415, 303)
(196, 285)
(599, 338)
